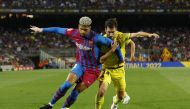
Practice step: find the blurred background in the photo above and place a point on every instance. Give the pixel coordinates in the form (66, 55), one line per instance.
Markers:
(22, 50)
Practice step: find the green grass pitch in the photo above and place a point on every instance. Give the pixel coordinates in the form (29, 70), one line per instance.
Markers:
(158, 88)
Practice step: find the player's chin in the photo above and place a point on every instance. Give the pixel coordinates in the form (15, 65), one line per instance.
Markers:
(83, 34)
(110, 37)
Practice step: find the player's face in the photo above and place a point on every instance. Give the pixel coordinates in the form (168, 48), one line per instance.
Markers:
(84, 30)
(110, 31)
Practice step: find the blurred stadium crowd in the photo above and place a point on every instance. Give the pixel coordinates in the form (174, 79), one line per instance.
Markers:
(17, 44)
(156, 4)
(174, 39)
(174, 43)
(21, 42)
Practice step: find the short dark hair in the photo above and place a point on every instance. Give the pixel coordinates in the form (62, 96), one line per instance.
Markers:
(111, 23)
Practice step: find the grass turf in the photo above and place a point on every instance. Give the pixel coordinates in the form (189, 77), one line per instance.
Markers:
(160, 88)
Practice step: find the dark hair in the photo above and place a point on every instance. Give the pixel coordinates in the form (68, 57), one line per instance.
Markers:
(111, 23)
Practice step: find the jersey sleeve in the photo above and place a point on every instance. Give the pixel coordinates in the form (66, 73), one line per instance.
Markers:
(101, 40)
(64, 31)
(128, 41)
(58, 30)
(127, 37)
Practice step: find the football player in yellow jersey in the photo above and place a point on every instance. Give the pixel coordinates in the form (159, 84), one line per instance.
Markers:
(111, 70)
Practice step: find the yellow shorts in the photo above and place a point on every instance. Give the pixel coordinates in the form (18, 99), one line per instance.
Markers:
(117, 76)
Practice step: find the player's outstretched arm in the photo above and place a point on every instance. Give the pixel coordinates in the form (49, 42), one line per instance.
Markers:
(144, 34)
(50, 29)
(36, 29)
(112, 50)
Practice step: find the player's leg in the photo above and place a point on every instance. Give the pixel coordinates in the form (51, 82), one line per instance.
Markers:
(71, 79)
(126, 98)
(104, 81)
(118, 79)
(74, 94)
(87, 80)
(76, 73)
(121, 90)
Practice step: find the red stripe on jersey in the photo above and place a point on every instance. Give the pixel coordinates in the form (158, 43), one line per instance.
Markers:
(77, 56)
(91, 44)
(95, 61)
(90, 60)
(82, 57)
(85, 54)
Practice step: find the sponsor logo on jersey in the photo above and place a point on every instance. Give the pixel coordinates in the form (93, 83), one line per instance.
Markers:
(82, 47)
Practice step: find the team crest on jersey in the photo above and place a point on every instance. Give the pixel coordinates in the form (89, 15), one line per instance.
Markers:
(82, 47)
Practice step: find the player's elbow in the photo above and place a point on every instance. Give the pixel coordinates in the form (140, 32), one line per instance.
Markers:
(102, 60)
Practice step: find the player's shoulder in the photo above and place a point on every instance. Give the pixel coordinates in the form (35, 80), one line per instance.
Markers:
(99, 35)
(122, 34)
(119, 33)
(72, 31)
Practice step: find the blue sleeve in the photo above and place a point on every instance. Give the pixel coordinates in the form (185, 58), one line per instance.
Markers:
(100, 40)
(56, 30)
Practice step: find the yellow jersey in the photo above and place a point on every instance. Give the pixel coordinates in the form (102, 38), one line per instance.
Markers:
(112, 61)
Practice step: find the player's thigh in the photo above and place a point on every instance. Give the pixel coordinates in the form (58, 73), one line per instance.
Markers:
(72, 78)
(105, 77)
(89, 77)
(80, 87)
(103, 86)
(118, 78)
(75, 74)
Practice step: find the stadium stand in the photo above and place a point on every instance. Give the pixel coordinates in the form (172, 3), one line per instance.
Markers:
(158, 4)
(175, 39)
(17, 42)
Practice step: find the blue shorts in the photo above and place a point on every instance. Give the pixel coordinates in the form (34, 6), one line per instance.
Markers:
(78, 70)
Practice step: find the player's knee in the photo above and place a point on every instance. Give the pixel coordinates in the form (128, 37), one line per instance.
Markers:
(102, 91)
(72, 78)
(80, 87)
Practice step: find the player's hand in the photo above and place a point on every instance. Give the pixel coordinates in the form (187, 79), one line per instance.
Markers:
(36, 29)
(114, 46)
(156, 36)
(133, 58)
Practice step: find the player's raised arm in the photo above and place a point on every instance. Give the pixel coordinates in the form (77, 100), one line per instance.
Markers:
(144, 34)
(50, 29)
(107, 42)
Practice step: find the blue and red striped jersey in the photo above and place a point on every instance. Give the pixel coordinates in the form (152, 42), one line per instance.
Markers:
(88, 47)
